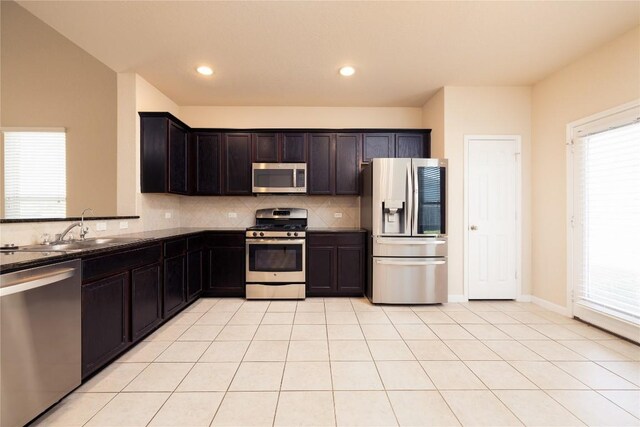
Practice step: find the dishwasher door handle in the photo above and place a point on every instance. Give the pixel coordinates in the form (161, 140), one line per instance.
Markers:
(36, 282)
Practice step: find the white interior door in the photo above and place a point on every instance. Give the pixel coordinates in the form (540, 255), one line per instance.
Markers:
(492, 218)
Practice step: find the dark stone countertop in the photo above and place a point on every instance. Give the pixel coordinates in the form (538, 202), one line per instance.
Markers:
(12, 261)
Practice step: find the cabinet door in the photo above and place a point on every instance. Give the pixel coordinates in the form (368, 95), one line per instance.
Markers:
(205, 163)
(347, 164)
(146, 313)
(265, 147)
(227, 269)
(177, 159)
(410, 145)
(294, 148)
(321, 270)
(321, 164)
(174, 285)
(377, 145)
(153, 154)
(237, 162)
(194, 274)
(104, 321)
(351, 270)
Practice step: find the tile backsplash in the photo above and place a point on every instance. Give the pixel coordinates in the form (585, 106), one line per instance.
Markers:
(198, 212)
(240, 211)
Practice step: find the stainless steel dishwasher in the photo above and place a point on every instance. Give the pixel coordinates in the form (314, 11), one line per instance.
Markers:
(40, 341)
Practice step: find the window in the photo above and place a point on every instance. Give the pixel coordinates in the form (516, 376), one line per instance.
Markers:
(606, 221)
(35, 174)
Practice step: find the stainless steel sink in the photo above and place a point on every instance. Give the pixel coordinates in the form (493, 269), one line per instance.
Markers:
(75, 245)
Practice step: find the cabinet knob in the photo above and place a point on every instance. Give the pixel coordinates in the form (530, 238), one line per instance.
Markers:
(474, 227)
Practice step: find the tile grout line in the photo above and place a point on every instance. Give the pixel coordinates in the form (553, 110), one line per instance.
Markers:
(139, 373)
(192, 366)
(384, 388)
(226, 392)
(284, 366)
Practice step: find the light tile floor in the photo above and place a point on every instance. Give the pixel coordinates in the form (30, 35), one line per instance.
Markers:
(323, 362)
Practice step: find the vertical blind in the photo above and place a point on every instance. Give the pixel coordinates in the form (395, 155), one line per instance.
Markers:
(35, 184)
(606, 223)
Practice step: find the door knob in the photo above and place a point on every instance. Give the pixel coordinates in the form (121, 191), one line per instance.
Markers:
(474, 227)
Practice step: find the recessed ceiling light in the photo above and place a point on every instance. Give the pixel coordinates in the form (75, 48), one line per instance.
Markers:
(204, 70)
(347, 71)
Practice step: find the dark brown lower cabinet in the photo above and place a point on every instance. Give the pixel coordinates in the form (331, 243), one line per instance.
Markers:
(174, 285)
(146, 299)
(194, 275)
(335, 264)
(225, 261)
(104, 320)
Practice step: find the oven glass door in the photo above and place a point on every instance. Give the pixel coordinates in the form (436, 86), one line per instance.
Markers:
(275, 260)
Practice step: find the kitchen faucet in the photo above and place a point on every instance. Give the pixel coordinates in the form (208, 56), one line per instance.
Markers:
(83, 230)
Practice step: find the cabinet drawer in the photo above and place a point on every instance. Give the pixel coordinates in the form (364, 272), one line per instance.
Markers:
(226, 239)
(101, 266)
(175, 248)
(335, 238)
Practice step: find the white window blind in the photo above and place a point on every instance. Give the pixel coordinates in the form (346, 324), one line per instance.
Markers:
(606, 222)
(35, 184)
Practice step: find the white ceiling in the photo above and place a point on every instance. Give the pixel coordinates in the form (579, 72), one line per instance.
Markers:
(288, 53)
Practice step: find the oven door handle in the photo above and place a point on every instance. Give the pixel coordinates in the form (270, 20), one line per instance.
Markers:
(275, 241)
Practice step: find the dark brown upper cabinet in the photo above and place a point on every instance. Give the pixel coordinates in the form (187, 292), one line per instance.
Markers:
(285, 147)
(320, 169)
(177, 159)
(205, 153)
(237, 163)
(294, 147)
(265, 147)
(398, 145)
(181, 160)
(411, 145)
(163, 155)
(377, 145)
(347, 163)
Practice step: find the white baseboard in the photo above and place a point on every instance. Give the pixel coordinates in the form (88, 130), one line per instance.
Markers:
(457, 298)
(524, 298)
(551, 306)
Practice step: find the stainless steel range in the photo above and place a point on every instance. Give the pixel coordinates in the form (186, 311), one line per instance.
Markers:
(276, 254)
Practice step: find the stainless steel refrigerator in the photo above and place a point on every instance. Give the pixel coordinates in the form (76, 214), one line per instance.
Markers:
(403, 208)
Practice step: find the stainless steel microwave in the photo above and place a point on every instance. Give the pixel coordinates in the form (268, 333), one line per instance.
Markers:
(288, 178)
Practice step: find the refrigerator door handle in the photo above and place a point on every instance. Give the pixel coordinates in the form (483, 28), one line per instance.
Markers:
(414, 263)
(403, 241)
(414, 228)
(408, 220)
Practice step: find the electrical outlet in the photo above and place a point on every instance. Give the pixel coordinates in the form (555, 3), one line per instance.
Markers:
(124, 224)
(101, 226)
(167, 215)
(337, 214)
(232, 215)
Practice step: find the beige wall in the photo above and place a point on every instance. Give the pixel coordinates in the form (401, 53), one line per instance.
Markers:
(605, 78)
(433, 118)
(301, 117)
(47, 81)
(484, 111)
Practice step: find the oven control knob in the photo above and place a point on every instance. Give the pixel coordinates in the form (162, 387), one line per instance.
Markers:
(288, 233)
(295, 234)
(255, 234)
(261, 234)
